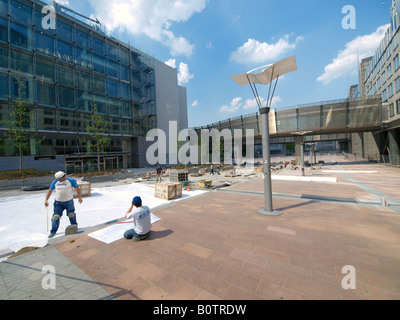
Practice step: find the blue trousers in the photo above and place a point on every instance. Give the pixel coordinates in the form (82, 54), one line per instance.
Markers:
(59, 208)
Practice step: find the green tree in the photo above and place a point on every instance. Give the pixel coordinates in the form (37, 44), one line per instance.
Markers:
(97, 129)
(18, 125)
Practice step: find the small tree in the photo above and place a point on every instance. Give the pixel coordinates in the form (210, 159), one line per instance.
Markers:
(19, 122)
(97, 129)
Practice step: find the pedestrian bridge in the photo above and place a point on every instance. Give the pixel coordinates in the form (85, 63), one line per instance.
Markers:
(321, 121)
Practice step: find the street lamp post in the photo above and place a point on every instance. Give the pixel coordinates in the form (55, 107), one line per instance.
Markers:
(267, 76)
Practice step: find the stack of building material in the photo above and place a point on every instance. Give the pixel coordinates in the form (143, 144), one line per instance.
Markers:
(168, 190)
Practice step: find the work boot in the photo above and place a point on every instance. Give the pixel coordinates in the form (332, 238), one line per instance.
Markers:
(140, 238)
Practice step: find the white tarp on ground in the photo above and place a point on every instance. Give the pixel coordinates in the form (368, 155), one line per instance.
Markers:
(23, 219)
(113, 233)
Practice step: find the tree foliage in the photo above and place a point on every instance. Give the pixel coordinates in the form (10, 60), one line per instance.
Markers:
(97, 129)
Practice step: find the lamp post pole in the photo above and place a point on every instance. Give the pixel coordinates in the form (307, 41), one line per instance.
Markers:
(268, 211)
(270, 73)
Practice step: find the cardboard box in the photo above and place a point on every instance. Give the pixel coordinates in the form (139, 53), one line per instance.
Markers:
(168, 190)
(86, 189)
(203, 183)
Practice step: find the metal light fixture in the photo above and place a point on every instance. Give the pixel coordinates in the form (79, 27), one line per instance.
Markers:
(267, 76)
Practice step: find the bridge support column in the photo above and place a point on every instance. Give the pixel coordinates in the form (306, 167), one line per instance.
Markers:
(394, 147)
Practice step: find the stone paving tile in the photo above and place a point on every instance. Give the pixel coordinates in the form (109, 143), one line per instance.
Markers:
(216, 246)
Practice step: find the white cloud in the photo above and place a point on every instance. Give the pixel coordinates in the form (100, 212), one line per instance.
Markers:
(249, 104)
(254, 52)
(171, 63)
(184, 75)
(233, 107)
(150, 17)
(252, 104)
(63, 2)
(183, 71)
(346, 62)
(195, 103)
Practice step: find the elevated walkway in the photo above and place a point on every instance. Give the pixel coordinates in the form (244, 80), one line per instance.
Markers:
(328, 120)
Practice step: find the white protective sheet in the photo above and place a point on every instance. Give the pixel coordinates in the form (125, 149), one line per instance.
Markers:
(116, 232)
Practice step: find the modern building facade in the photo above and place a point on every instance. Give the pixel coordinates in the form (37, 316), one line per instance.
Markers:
(64, 72)
(380, 75)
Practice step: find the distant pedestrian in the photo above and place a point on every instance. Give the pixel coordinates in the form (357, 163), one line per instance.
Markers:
(64, 201)
(159, 173)
(141, 219)
(212, 170)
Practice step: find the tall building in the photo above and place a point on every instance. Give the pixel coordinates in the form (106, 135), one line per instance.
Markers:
(380, 75)
(66, 69)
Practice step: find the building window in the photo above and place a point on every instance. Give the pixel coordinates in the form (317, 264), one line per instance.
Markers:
(383, 77)
(397, 84)
(389, 71)
(112, 69)
(124, 56)
(21, 12)
(100, 84)
(83, 58)
(3, 6)
(101, 103)
(66, 98)
(112, 88)
(45, 94)
(84, 101)
(3, 58)
(44, 70)
(126, 109)
(3, 30)
(398, 106)
(84, 80)
(113, 107)
(20, 35)
(66, 76)
(82, 38)
(124, 73)
(45, 43)
(112, 51)
(390, 90)
(396, 62)
(64, 31)
(21, 62)
(3, 86)
(391, 109)
(64, 51)
(125, 89)
(384, 96)
(99, 63)
(98, 45)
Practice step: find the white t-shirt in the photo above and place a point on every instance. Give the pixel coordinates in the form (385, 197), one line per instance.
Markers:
(142, 220)
(64, 190)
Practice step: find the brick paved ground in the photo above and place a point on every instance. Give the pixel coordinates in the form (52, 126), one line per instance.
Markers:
(216, 246)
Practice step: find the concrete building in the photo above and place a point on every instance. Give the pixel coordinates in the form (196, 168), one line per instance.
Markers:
(66, 69)
(380, 75)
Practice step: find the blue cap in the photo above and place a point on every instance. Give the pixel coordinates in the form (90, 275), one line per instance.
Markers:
(137, 201)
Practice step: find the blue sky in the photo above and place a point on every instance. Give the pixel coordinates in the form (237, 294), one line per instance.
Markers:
(210, 40)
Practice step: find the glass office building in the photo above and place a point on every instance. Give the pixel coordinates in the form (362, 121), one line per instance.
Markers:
(65, 71)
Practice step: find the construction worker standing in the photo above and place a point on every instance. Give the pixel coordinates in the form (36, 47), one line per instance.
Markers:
(64, 201)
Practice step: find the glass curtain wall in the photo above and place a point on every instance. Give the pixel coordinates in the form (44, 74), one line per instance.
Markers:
(67, 70)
